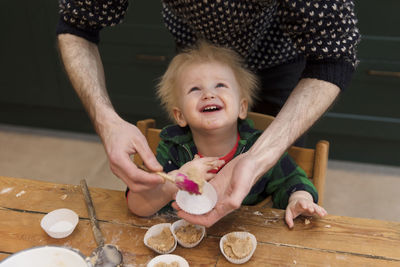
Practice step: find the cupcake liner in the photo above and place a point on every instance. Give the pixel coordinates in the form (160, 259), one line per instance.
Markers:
(168, 258)
(197, 204)
(59, 223)
(182, 223)
(156, 230)
(241, 235)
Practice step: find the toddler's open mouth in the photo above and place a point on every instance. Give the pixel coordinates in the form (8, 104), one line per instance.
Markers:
(211, 108)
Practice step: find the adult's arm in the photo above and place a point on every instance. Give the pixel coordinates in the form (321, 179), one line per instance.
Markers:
(78, 33)
(83, 65)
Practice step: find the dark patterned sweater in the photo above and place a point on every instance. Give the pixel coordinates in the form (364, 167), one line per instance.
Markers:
(266, 33)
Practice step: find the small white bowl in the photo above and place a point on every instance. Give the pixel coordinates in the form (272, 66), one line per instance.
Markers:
(46, 256)
(59, 223)
(182, 223)
(197, 204)
(168, 258)
(156, 230)
(241, 235)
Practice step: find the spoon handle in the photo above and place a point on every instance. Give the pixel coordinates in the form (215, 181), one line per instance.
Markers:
(98, 236)
(162, 174)
(166, 176)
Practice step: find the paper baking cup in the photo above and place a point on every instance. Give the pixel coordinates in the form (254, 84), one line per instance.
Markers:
(181, 223)
(59, 223)
(156, 230)
(197, 204)
(241, 235)
(168, 258)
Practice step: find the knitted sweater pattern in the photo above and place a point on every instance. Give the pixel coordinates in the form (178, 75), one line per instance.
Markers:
(266, 33)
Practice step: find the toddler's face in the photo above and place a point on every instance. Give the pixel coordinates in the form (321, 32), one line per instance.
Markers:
(210, 97)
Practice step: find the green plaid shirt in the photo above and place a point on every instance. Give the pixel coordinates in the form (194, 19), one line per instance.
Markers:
(177, 147)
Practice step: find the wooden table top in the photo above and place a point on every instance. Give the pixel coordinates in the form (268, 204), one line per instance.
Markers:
(331, 241)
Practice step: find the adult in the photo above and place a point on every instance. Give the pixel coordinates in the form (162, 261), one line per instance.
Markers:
(302, 50)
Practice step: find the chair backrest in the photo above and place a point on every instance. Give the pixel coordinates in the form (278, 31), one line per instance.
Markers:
(312, 161)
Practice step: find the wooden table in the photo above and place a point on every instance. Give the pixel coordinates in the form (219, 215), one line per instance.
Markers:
(332, 241)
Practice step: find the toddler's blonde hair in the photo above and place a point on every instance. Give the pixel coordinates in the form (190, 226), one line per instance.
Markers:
(204, 52)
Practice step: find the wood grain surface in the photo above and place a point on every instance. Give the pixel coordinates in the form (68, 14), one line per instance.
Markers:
(331, 241)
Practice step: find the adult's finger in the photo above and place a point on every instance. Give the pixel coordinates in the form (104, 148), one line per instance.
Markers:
(137, 180)
(206, 220)
(176, 206)
(148, 157)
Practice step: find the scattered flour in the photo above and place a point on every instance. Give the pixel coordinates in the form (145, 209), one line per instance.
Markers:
(257, 213)
(20, 193)
(6, 190)
(275, 213)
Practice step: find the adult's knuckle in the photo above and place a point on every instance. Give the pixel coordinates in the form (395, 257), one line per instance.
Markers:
(235, 204)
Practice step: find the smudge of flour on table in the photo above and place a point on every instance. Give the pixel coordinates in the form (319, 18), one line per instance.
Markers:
(272, 220)
(130, 259)
(115, 238)
(63, 197)
(257, 213)
(341, 257)
(6, 190)
(20, 193)
(275, 213)
(243, 228)
(135, 265)
(67, 244)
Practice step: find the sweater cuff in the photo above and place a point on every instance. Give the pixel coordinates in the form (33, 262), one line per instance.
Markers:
(91, 36)
(336, 72)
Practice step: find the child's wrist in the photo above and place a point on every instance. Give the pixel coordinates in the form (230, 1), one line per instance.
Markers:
(298, 195)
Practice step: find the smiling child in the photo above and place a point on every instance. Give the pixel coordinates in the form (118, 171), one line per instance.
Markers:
(207, 91)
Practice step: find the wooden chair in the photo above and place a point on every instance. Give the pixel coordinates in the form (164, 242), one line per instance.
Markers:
(312, 161)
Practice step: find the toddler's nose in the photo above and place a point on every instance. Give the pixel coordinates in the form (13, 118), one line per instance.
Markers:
(208, 94)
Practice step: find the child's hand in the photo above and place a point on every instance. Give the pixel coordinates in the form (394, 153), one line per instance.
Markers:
(201, 166)
(301, 202)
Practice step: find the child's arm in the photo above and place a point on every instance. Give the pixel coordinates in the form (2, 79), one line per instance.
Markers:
(148, 202)
(301, 202)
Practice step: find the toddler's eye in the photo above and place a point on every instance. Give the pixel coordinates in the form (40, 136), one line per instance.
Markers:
(194, 89)
(220, 85)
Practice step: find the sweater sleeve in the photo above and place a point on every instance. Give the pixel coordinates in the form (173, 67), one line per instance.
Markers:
(326, 34)
(287, 177)
(85, 18)
(163, 156)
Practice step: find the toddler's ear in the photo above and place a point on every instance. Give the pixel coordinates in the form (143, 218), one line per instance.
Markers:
(244, 105)
(179, 118)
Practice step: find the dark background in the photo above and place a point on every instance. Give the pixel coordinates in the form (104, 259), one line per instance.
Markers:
(363, 125)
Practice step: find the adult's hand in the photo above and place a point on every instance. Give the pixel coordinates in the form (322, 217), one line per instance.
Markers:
(84, 67)
(231, 186)
(122, 140)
